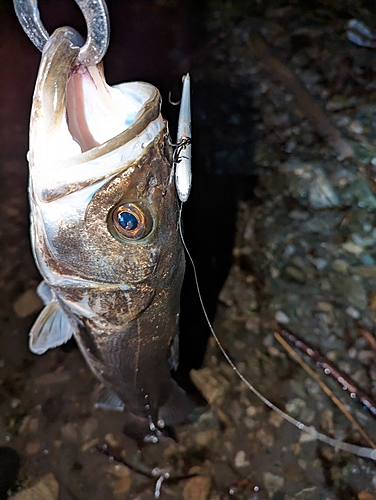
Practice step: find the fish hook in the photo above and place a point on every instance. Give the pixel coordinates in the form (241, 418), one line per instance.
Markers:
(97, 21)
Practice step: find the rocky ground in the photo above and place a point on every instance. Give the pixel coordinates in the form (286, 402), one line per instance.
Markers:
(304, 258)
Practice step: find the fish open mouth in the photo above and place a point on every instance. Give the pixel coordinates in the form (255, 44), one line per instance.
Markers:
(83, 130)
(97, 112)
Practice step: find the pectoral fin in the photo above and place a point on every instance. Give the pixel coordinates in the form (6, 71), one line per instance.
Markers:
(51, 329)
(178, 406)
(45, 293)
(108, 400)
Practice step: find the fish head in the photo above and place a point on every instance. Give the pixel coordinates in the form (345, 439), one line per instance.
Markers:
(103, 204)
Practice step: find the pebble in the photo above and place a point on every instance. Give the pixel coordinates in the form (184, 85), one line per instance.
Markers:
(308, 181)
(295, 406)
(356, 127)
(321, 193)
(352, 248)
(275, 419)
(212, 386)
(351, 288)
(89, 444)
(294, 273)
(240, 459)
(32, 448)
(47, 488)
(203, 438)
(69, 432)
(121, 486)
(306, 438)
(273, 483)
(111, 440)
(282, 317)
(57, 377)
(265, 437)
(340, 265)
(88, 428)
(197, 488)
(298, 215)
(353, 313)
(324, 306)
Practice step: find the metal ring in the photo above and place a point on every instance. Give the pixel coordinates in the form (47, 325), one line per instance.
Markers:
(98, 27)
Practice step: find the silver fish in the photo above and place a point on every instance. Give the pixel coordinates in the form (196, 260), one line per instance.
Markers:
(104, 226)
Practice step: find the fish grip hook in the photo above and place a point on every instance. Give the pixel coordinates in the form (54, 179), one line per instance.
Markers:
(97, 20)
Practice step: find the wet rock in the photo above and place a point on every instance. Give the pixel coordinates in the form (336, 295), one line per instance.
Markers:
(353, 313)
(47, 488)
(121, 479)
(240, 459)
(340, 265)
(88, 428)
(197, 488)
(361, 193)
(365, 495)
(203, 438)
(321, 194)
(32, 448)
(295, 406)
(266, 438)
(309, 184)
(212, 386)
(293, 273)
(351, 288)
(282, 317)
(57, 377)
(273, 483)
(69, 432)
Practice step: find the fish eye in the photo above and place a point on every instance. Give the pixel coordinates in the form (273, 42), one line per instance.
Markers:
(132, 221)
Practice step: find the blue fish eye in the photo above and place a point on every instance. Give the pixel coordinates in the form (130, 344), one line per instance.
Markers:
(132, 221)
(127, 221)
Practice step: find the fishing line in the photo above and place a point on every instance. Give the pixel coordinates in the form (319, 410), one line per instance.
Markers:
(361, 451)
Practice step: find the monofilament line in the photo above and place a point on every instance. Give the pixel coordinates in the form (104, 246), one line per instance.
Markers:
(312, 431)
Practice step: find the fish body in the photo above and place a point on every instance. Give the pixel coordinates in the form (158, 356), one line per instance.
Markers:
(104, 228)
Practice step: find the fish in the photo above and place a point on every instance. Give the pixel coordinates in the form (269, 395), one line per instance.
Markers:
(105, 234)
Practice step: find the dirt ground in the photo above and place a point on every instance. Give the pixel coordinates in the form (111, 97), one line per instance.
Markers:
(296, 121)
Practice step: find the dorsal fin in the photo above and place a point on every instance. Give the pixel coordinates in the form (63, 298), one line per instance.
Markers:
(51, 329)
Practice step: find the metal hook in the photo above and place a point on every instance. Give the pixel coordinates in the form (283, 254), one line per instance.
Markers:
(97, 21)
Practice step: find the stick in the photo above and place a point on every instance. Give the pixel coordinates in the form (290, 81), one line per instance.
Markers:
(325, 388)
(344, 380)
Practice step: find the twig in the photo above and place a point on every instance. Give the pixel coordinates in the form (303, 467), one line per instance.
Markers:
(368, 336)
(305, 102)
(344, 380)
(325, 388)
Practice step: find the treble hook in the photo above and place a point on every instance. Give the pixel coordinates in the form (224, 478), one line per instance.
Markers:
(96, 17)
